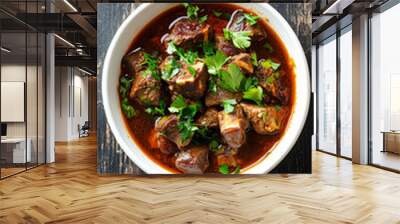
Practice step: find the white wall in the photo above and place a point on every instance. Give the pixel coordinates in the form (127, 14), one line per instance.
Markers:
(71, 102)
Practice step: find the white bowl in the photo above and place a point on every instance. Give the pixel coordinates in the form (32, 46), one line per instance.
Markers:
(135, 23)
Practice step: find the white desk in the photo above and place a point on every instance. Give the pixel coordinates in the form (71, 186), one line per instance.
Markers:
(18, 149)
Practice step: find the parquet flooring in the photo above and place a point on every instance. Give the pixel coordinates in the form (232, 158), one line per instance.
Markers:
(70, 191)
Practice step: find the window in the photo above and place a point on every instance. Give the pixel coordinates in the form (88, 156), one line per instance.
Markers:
(327, 96)
(346, 92)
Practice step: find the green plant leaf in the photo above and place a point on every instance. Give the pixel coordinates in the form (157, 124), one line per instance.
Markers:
(254, 94)
(252, 20)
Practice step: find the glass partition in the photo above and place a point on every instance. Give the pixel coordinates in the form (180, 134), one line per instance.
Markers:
(14, 153)
(385, 89)
(23, 90)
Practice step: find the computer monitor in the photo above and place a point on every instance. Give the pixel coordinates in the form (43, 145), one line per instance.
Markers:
(3, 129)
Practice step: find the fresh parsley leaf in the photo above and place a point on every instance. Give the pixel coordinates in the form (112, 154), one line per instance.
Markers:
(217, 13)
(208, 48)
(172, 48)
(270, 64)
(213, 145)
(190, 111)
(224, 169)
(186, 129)
(229, 105)
(203, 19)
(178, 104)
(157, 111)
(127, 109)
(250, 82)
(212, 85)
(191, 10)
(184, 110)
(240, 39)
(231, 79)
(254, 60)
(271, 79)
(252, 20)
(151, 63)
(254, 94)
(214, 63)
(125, 85)
(268, 47)
(192, 71)
(171, 69)
(189, 57)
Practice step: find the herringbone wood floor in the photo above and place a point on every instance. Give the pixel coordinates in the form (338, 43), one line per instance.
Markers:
(70, 191)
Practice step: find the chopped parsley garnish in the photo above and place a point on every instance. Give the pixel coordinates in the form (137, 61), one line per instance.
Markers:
(268, 47)
(127, 109)
(170, 69)
(254, 60)
(270, 64)
(214, 63)
(192, 71)
(189, 56)
(203, 19)
(186, 129)
(178, 104)
(271, 79)
(125, 85)
(151, 63)
(217, 13)
(221, 14)
(224, 169)
(212, 85)
(157, 111)
(278, 108)
(213, 145)
(229, 105)
(240, 39)
(190, 111)
(186, 113)
(252, 20)
(231, 79)
(254, 94)
(191, 10)
(250, 82)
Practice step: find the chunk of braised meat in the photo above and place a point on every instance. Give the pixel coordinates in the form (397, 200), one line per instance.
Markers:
(265, 119)
(194, 160)
(134, 61)
(146, 89)
(227, 156)
(209, 119)
(186, 32)
(165, 145)
(225, 46)
(216, 98)
(191, 81)
(168, 127)
(239, 23)
(276, 90)
(233, 127)
(243, 61)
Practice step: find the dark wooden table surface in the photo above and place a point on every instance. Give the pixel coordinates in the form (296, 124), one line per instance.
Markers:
(110, 157)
